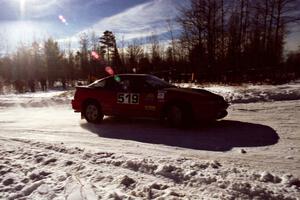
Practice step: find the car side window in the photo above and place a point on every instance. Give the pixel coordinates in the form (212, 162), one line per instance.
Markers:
(124, 85)
(154, 83)
(138, 84)
(112, 84)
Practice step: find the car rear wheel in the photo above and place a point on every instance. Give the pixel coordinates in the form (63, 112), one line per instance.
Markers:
(93, 113)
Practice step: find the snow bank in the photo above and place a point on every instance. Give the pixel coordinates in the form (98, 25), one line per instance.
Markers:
(233, 94)
(35, 170)
(38, 99)
(252, 93)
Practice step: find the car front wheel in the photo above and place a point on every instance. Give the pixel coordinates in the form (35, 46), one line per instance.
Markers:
(177, 116)
(93, 113)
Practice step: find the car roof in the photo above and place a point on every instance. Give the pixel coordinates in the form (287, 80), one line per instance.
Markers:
(130, 75)
(125, 75)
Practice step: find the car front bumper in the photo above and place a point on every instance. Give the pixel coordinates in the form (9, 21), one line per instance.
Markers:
(211, 111)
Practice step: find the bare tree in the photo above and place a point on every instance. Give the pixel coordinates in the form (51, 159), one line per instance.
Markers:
(94, 41)
(154, 51)
(170, 28)
(134, 53)
(84, 53)
(122, 47)
(286, 12)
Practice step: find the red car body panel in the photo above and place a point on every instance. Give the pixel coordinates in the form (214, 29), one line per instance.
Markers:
(150, 103)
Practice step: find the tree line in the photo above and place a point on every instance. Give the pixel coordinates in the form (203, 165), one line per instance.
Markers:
(220, 41)
(240, 39)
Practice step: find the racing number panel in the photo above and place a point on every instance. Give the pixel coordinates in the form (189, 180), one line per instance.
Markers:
(128, 98)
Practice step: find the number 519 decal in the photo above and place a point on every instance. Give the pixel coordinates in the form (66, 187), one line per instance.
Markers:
(128, 98)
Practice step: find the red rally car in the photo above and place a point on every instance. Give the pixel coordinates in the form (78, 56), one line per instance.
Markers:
(142, 95)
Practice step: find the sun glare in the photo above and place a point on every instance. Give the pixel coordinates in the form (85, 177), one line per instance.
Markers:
(22, 8)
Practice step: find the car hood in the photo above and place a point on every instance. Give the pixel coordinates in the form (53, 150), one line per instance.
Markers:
(195, 92)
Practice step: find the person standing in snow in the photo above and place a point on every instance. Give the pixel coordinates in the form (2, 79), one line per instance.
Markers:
(43, 84)
(31, 85)
(1, 87)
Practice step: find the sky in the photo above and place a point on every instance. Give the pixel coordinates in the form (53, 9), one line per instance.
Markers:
(65, 20)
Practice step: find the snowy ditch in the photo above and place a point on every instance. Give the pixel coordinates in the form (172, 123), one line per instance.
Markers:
(35, 170)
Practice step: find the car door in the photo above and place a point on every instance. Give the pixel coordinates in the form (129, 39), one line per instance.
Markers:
(127, 100)
(133, 99)
(147, 97)
(106, 95)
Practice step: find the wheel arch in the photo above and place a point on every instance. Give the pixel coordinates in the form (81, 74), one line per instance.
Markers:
(90, 100)
(179, 102)
(99, 114)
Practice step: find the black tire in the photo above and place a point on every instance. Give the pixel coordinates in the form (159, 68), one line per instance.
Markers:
(92, 112)
(178, 116)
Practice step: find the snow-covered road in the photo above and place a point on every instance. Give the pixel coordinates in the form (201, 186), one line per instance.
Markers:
(48, 152)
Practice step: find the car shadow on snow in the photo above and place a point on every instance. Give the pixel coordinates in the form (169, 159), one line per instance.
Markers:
(220, 136)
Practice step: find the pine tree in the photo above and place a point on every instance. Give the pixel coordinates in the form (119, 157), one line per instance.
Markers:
(53, 60)
(109, 47)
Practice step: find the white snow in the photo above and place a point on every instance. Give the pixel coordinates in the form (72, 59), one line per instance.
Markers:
(48, 152)
(248, 93)
(37, 99)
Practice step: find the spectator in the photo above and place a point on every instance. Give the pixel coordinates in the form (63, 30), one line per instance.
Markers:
(19, 86)
(43, 84)
(1, 87)
(31, 85)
